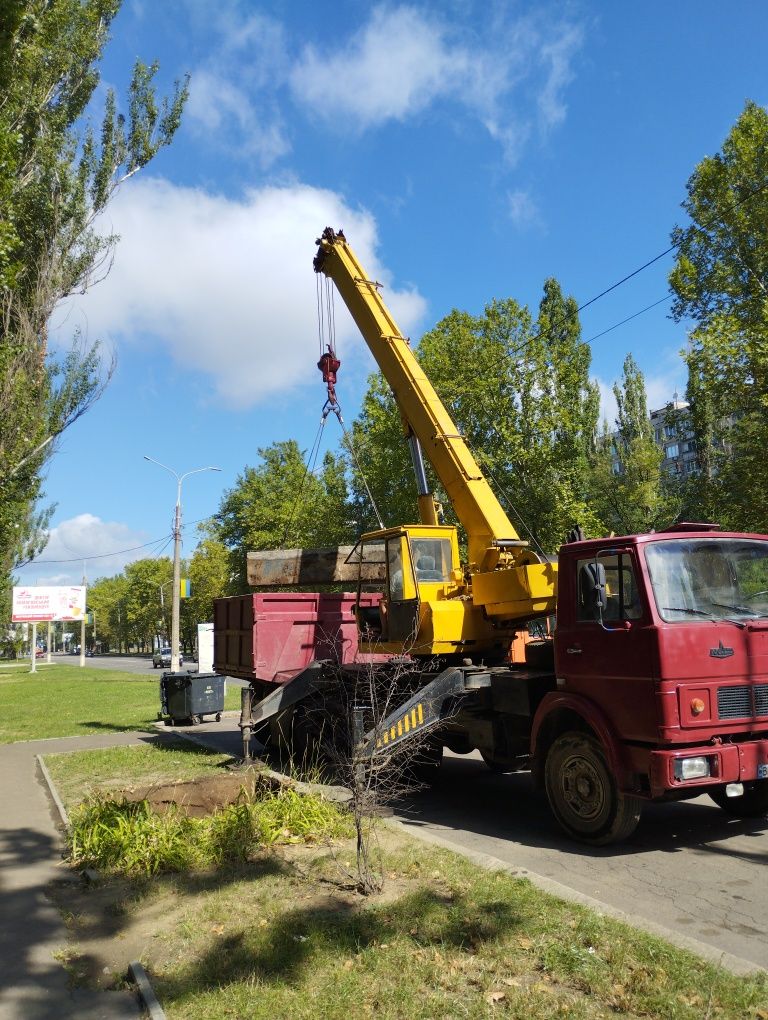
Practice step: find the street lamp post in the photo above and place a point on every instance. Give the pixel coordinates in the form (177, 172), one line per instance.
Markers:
(177, 555)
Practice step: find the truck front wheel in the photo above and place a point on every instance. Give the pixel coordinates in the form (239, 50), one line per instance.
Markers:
(583, 795)
(751, 804)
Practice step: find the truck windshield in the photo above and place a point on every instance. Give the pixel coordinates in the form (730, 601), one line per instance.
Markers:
(716, 578)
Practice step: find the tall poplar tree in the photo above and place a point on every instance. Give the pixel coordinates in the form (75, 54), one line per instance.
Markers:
(630, 489)
(720, 282)
(56, 175)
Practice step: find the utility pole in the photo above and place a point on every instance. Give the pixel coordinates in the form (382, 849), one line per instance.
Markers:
(175, 606)
(82, 623)
(177, 556)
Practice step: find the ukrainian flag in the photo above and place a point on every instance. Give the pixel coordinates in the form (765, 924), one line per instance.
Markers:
(185, 588)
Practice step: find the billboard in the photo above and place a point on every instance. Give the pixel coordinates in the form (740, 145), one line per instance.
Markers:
(31, 604)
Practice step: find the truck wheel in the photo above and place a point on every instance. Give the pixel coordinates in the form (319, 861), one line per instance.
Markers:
(583, 795)
(751, 804)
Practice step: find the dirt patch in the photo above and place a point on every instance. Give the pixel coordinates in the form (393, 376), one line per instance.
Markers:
(201, 797)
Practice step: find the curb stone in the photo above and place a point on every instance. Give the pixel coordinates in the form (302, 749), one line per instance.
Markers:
(146, 991)
(62, 811)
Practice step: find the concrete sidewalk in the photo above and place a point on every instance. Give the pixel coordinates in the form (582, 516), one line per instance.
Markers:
(33, 984)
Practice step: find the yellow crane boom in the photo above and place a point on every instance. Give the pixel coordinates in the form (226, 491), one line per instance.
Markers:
(504, 579)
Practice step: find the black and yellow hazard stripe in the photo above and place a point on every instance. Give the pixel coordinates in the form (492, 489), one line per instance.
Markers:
(407, 722)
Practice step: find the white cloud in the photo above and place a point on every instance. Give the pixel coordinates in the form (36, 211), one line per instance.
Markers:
(219, 108)
(393, 67)
(227, 285)
(82, 538)
(398, 62)
(522, 209)
(558, 55)
(232, 97)
(404, 60)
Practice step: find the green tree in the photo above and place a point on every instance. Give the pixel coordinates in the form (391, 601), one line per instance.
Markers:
(56, 176)
(281, 504)
(107, 599)
(720, 281)
(147, 613)
(382, 478)
(630, 489)
(209, 579)
(520, 395)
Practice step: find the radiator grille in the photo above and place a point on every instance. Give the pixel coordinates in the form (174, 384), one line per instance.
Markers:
(742, 702)
(761, 699)
(733, 702)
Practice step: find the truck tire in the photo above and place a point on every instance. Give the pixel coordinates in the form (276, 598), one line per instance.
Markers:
(751, 804)
(583, 795)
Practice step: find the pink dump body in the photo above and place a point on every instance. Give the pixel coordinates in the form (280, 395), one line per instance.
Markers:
(270, 636)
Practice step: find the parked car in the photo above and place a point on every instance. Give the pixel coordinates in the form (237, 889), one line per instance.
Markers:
(162, 657)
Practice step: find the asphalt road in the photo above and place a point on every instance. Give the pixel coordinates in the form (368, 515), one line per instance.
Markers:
(688, 867)
(124, 663)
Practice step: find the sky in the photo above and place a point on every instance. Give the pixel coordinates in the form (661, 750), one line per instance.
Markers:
(469, 150)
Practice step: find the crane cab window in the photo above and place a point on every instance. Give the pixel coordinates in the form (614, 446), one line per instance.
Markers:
(431, 559)
(622, 595)
(395, 569)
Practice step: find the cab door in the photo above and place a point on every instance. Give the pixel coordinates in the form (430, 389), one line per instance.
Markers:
(402, 592)
(606, 652)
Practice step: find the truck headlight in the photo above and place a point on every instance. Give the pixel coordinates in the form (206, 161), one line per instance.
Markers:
(692, 768)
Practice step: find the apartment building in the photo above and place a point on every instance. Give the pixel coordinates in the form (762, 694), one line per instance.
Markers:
(673, 434)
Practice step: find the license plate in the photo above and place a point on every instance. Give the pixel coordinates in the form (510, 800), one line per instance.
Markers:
(762, 771)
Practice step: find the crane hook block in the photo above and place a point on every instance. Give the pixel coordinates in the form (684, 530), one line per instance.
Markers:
(329, 365)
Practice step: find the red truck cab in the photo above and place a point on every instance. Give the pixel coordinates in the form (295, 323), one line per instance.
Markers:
(661, 662)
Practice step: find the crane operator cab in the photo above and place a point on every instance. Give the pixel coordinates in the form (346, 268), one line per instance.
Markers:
(421, 575)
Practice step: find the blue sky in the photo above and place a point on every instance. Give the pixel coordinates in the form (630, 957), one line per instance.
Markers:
(468, 149)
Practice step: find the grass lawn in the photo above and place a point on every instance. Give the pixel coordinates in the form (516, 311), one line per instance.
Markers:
(284, 935)
(65, 701)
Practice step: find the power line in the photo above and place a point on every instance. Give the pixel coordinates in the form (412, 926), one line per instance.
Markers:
(625, 278)
(675, 244)
(667, 297)
(117, 552)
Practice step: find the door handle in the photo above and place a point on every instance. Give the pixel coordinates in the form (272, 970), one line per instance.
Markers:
(574, 650)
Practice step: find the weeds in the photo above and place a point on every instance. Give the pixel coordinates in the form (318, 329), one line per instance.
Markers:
(125, 837)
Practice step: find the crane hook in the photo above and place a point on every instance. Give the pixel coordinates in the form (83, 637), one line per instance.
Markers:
(329, 365)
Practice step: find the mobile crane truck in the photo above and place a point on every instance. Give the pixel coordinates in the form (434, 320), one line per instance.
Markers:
(658, 688)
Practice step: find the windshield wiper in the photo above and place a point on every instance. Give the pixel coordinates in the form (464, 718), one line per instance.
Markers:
(738, 609)
(708, 616)
(686, 609)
